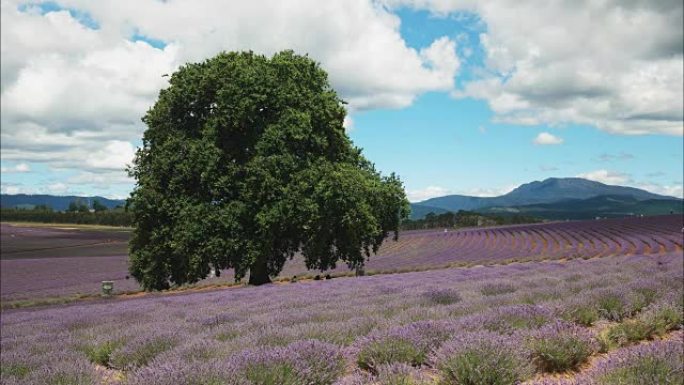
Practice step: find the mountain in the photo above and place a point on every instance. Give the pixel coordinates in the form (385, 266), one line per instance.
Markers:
(606, 206)
(547, 191)
(420, 211)
(59, 203)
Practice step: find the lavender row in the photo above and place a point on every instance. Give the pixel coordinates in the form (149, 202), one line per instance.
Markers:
(341, 331)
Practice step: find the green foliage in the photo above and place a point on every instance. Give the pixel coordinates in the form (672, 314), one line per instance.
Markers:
(442, 297)
(582, 314)
(388, 351)
(78, 206)
(15, 369)
(99, 207)
(628, 332)
(611, 307)
(100, 353)
(140, 354)
(497, 289)
(274, 374)
(245, 162)
(559, 353)
(477, 366)
(647, 370)
(664, 318)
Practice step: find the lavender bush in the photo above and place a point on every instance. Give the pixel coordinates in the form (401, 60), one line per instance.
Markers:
(656, 363)
(482, 358)
(561, 346)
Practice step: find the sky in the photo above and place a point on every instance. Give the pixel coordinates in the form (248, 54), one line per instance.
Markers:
(456, 97)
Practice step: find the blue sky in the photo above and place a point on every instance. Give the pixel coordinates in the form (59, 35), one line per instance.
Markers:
(481, 131)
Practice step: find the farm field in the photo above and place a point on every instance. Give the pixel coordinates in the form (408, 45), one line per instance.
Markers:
(411, 327)
(36, 262)
(32, 241)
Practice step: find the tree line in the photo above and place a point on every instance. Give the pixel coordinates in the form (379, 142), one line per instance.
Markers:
(78, 212)
(464, 218)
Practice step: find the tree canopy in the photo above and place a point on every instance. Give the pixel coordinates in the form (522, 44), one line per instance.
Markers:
(245, 162)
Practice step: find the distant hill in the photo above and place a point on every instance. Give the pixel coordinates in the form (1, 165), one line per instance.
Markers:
(58, 203)
(606, 206)
(547, 191)
(420, 211)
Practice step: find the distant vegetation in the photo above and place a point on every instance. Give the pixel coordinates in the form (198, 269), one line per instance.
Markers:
(464, 219)
(77, 213)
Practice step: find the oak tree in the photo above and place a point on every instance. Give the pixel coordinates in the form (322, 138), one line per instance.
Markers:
(245, 162)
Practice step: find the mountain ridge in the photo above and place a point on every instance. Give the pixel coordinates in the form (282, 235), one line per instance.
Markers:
(550, 190)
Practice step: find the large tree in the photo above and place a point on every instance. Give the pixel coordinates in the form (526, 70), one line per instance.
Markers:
(245, 162)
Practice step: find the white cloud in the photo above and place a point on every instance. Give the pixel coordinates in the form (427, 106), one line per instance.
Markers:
(490, 192)
(437, 191)
(612, 64)
(605, 176)
(18, 168)
(58, 188)
(673, 190)
(73, 96)
(544, 138)
(116, 155)
(11, 189)
(426, 193)
(348, 123)
(623, 179)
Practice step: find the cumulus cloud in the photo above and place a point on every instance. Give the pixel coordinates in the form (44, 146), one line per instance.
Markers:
(77, 77)
(544, 138)
(606, 176)
(18, 168)
(611, 64)
(427, 193)
(436, 191)
(674, 189)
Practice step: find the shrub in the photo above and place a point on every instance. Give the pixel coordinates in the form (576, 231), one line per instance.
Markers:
(611, 306)
(389, 350)
(175, 370)
(304, 362)
(99, 353)
(273, 373)
(139, 352)
(642, 297)
(628, 332)
(656, 363)
(497, 288)
(582, 315)
(664, 317)
(400, 374)
(509, 319)
(561, 346)
(442, 296)
(482, 358)
(410, 344)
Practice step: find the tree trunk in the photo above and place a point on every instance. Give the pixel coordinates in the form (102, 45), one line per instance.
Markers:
(258, 273)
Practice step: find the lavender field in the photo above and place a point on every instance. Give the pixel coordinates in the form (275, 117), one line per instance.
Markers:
(445, 326)
(32, 274)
